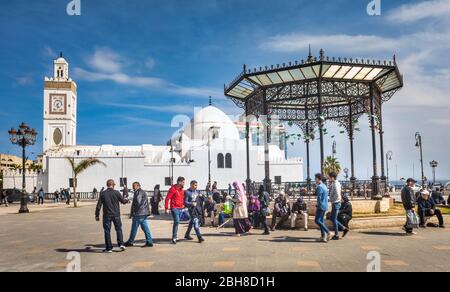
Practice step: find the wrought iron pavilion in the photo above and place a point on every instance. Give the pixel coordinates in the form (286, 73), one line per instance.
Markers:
(310, 92)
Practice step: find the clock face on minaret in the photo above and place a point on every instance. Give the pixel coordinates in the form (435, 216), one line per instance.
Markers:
(58, 104)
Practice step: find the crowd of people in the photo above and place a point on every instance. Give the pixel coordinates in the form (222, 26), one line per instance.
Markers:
(419, 207)
(246, 209)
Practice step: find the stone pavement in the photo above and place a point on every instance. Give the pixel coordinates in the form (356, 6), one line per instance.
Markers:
(14, 208)
(41, 241)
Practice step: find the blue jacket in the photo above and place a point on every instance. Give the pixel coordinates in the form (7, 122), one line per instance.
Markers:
(426, 204)
(322, 197)
(191, 197)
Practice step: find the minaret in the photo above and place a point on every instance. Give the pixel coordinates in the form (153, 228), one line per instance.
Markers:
(60, 107)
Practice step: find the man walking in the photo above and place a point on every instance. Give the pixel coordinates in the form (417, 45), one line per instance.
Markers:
(322, 208)
(336, 199)
(193, 201)
(110, 201)
(41, 196)
(409, 203)
(140, 211)
(175, 205)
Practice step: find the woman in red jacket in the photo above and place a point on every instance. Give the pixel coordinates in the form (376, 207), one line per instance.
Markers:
(175, 204)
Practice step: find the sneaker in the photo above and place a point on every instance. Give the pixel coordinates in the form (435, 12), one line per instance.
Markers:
(442, 226)
(122, 248)
(174, 241)
(323, 239)
(187, 237)
(422, 226)
(305, 229)
(128, 244)
(201, 240)
(107, 251)
(329, 237)
(335, 237)
(266, 233)
(346, 231)
(148, 244)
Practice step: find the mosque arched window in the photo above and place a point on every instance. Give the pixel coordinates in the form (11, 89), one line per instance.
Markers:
(228, 161)
(220, 161)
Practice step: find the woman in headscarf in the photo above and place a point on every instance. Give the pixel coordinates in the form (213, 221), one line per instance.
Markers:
(254, 208)
(240, 214)
(155, 200)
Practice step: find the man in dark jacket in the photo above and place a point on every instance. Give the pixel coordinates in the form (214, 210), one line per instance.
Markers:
(345, 213)
(427, 208)
(193, 201)
(140, 210)
(264, 199)
(110, 200)
(409, 203)
(282, 210)
(299, 208)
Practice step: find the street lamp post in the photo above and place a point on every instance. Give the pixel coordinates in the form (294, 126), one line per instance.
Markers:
(419, 145)
(24, 136)
(211, 129)
(389, 155)
(434, 165)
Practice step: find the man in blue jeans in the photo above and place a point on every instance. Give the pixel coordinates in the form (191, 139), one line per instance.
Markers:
(175, 205)
(193, 201)
(140, 210)
(336, 199)
(109, 200)
(322, 208)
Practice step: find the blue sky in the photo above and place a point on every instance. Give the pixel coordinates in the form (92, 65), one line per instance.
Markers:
(139, 63)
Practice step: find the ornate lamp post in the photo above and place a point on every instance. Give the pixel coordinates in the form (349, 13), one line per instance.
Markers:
(24, 136)
(212, 130)
(389, 155)
(434, 165)
(419, 145)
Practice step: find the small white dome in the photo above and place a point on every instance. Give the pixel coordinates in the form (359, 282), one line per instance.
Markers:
(211, 117)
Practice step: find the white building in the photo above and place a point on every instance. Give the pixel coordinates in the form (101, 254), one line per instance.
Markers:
(151, 165)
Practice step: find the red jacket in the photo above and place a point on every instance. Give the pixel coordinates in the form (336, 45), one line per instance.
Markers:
(175, 198)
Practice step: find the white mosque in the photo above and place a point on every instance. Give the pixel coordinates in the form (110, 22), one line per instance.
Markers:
(210, 133)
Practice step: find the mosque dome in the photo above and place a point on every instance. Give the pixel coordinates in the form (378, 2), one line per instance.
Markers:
(209, 117)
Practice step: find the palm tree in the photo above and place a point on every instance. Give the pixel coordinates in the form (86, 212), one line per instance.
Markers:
(77, 169)
(331, 165)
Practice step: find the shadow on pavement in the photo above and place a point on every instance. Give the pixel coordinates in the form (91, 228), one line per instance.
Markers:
(383, 233)
(291, 239)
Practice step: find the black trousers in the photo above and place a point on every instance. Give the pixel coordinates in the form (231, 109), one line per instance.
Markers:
(155, 208)
(107, 224)
(427, 213)
(344, 219)
(41, 201)
(263, 221)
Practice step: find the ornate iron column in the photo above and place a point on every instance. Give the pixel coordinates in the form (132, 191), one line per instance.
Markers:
(247, 141)
(267, 181)
(308, 161)
(352, 153)
(321, 120)
(383, 172)
(375, 178)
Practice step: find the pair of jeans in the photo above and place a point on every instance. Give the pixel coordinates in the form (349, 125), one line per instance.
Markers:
(107, 223)
(176, 215)
(140, 221)
(222, 217)
(41, 201)
(427, 213)
(334, 218)
(320, 218)
(194, 223)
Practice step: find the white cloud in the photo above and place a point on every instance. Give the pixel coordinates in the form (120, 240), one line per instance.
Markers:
(24, 80)
(340, 43)
(419, 11)
(49, 52)
(150, 63)
(107, 65)
(106, 61)
(177, 109)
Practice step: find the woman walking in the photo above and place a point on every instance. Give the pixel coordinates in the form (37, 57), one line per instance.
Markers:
(240, 214)
(155, 200)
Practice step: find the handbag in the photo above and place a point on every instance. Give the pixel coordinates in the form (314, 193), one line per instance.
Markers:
(412, 219)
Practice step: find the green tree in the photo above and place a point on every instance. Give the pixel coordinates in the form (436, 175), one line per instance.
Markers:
(331, 165)
(78, 168)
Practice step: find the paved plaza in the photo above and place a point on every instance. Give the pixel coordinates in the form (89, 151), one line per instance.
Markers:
(41, 241)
